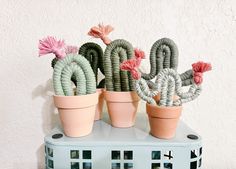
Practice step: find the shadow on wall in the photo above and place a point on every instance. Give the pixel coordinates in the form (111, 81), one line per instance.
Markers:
(40, 157)
(50, 118)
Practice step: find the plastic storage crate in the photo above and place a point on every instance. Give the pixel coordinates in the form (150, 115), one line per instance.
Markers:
(129, 148)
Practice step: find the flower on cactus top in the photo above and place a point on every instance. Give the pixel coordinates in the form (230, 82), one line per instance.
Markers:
(131, 65)
(52, 45)
(102, 32)
(71, 49)
(139, 55)
(198, 69)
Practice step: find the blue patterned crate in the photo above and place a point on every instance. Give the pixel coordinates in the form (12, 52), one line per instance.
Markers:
(129, 148)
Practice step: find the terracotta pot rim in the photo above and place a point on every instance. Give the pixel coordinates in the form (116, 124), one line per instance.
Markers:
(73, 102)
(163, 112)
(122, 97)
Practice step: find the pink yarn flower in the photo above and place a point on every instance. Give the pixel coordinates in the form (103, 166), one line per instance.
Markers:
(131, 65)
(139, 55)
(198, 69)
(52, 45)
(71, 49)
(101, 32)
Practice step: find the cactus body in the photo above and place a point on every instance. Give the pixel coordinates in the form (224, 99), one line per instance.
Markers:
(94, 54)
(168, 84)
(77, 66)
(117, 52)
(164, 54)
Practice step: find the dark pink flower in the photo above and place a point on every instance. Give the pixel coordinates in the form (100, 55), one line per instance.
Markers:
(198, 69)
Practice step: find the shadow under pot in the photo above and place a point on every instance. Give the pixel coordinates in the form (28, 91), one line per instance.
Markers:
(77, 113)
(122, 107)
(163, 120)
(99, 107)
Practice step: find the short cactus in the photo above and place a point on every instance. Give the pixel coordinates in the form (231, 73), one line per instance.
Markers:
(94, 54)
(168, 84)
(77, 65)
(164, 54)
(116, 52)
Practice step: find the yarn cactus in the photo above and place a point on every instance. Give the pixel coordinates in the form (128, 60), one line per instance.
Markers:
(164, 54)
(168, 84)
(77, 65)
(115, 79)
(94, 54)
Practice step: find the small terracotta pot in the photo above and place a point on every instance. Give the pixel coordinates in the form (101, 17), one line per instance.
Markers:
(122, 107)
(163, 120)
(77, 113)
(98, 114)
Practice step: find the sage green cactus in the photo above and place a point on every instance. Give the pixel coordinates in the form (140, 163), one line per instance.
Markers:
(116, 52)
(94, 54)
(164, 54)
(73, 65)
(168, 84)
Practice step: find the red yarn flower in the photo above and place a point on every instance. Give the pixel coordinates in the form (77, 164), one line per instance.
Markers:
(101, 32)
(198, 69)
(133, 64)
(52, 45)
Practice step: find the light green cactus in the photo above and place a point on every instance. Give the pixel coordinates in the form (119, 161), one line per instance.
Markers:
(168, 84)
(77, 66)
(115, 79)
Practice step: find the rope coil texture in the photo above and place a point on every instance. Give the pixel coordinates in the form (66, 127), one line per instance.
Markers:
(115, 79)
(77, 66)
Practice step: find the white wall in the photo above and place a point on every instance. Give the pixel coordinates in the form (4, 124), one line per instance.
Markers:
(203, 30)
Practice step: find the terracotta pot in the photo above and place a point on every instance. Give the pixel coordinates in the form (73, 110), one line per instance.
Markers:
(77, 113)
(163, 120)
(122, 107)
(98, 114)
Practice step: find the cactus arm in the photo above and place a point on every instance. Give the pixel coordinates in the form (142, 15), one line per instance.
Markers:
(144, 92)
(67, 73)
(117, 52)
(193, 92)
(94, 54)
(69, 61)
(164, 54)
(187, 77)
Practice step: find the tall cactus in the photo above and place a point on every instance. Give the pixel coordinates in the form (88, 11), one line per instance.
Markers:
(94, 54)
(168, 84)
(77, 66)
(116, 52)
(164, 54)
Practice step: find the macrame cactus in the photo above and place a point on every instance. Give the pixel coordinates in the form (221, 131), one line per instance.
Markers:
(168, 84)
(73, 65)
(116, 52)
(94, 54)
(164, 54)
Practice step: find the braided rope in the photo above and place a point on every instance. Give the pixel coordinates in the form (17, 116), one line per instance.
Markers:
(94, 54)
(73, 65)
(169, 83)
(144, 92)
(117, 52)
(164, 54)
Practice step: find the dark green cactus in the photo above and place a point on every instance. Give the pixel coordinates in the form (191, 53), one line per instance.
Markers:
(77, 65)
(94, 54)
(164, 54)
(116, 52)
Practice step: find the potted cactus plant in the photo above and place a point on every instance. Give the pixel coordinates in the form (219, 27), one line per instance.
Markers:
(94, 54)
(122, 101)
(76, 106)
(166, 96)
